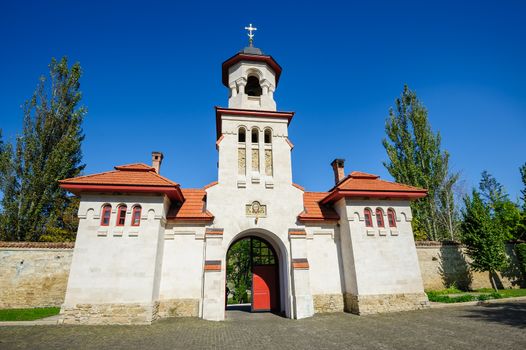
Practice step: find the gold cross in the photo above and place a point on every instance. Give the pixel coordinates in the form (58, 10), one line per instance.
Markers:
(250, 33)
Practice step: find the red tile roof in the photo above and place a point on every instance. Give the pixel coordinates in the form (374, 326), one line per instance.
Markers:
(129, 178)
(359, 184)
(192, 209)
(314, 211)
(131, 174)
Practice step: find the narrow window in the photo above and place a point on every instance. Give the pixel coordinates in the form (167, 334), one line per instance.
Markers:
(121, 215)
(368, 217)
(268, 136)
(391, 217)
(136, 215)
(106, 214)
(241, 135)
(379, 217)
(255, 135)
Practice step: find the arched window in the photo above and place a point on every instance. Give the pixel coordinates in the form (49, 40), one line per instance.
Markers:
(379, 217)
(241, 135)
(106, 214)
(136, 215)
(253, 88)
(268, 136)
(255, 135)
(391, 217)
(121, 215)
(368, 217)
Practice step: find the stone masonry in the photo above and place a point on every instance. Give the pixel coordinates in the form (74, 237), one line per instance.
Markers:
(373, 304)
(325, 303)
(33, 274)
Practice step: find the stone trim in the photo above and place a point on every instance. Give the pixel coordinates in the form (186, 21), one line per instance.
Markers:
(452, 243)
(300, 264)
(382, 303)
(38, 245)
(212, 265)
(436, 243)
(214, 231)
(297, 232)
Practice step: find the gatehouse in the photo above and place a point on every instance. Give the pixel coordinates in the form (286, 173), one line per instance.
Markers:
(149, 248)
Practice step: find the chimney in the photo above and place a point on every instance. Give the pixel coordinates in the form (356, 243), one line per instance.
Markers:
(338, 168)
(157, 159)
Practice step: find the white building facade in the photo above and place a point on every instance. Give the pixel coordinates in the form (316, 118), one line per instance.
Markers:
(147, 248)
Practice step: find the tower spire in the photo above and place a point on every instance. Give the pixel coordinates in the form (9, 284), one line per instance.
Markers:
(250, 34)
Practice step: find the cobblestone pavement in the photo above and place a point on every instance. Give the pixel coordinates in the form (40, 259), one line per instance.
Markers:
(496, 326)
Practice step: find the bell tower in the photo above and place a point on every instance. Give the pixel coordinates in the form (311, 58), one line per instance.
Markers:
(254, 151)
(251, 78)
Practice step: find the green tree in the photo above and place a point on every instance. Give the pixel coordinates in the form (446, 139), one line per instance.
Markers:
(522, 170)
(521, 234)
(506, 213)
(483, 238)
(238, 270)
(416, 158)
(49, 149)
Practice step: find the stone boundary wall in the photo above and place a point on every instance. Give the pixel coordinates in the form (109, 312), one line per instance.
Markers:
(444, 264)
(33, 274)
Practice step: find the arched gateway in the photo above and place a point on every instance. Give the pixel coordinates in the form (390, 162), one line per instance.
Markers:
(269, 269)
(148, 248)
(254, 263)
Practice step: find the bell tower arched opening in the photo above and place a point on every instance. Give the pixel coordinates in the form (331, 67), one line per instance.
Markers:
(253, 87)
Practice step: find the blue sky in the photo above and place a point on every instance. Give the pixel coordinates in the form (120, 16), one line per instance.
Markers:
(152, 75)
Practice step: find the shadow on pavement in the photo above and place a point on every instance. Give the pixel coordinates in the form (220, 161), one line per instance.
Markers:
(511, 314)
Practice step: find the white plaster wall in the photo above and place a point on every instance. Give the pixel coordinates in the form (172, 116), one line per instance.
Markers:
(117, 264)
(385, 259)
(325, 260)
(182, 271)
(348, 269)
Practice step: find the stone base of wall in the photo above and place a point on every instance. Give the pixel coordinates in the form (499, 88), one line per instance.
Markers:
(324, 303)
(179, 308)
(102, 314)
(373, 304)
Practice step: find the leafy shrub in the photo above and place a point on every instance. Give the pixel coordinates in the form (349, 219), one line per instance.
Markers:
(439, 297)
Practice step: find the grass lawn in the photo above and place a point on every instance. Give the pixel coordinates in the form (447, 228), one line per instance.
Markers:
(27, 314)
(454, 295)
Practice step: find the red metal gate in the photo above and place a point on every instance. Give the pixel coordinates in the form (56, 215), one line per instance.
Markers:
(264, 287)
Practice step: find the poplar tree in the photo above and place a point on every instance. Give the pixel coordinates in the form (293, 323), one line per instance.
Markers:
(503, 211)
(34, 207)
(416, 159)
(483, 237)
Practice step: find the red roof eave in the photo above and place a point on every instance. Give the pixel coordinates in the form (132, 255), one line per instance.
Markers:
(338, 194)
(247, 57)
(173, 192)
